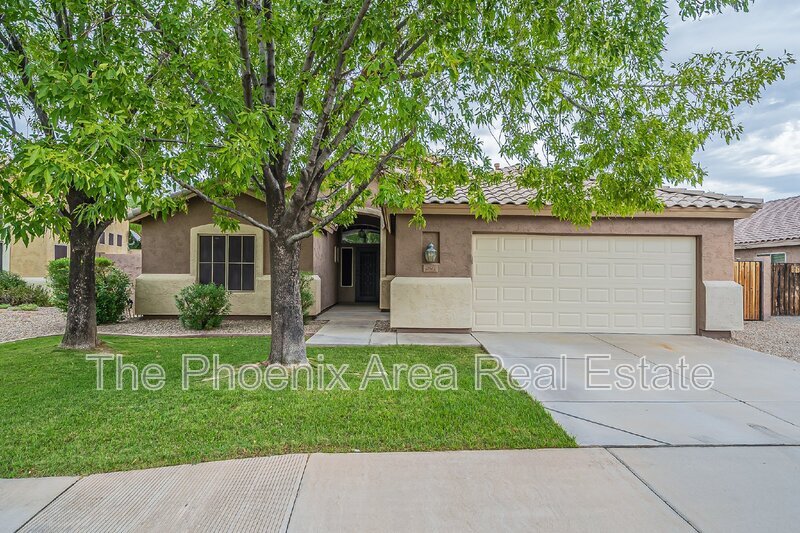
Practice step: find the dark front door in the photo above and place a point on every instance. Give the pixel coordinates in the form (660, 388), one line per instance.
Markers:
(367, 274)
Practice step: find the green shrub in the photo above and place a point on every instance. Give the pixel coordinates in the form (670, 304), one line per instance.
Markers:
(26, 307)
(203, 306)
(113, 294)
(5, 306)
(306, 293)
(58, 280)
(112, 286)
(9, 280)
(14, 291)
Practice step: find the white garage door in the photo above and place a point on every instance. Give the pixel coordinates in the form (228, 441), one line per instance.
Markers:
(583, 283)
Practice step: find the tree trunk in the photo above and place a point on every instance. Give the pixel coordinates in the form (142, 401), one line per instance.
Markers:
(288, 335)
(81, 330)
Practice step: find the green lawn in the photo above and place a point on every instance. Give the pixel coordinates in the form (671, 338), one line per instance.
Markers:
(54, 421)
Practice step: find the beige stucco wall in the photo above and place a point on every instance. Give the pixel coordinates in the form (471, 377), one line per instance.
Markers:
(155, 295)
(169, 261)
(424, 303)
(326, 269)
(166, 244)
(714, 243)
(385, 301)
(751, 254)
(724, 300)
(31, 261)
(111, 232)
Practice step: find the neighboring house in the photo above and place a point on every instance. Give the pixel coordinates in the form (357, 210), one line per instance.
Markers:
(670, 272)
(31, 261)
(774, 232)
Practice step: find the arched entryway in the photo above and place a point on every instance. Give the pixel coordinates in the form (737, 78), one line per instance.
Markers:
(359, 260)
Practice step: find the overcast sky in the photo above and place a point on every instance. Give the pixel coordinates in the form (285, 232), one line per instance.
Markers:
(765, 162)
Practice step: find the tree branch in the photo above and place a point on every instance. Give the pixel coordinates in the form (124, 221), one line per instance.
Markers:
(267, 50)
(244, 53)
(14, 46)
(356, 193)
(12, 120)
(235, 212)
(333, 193)
(299, 99)
(351, 122)
(333, 85)
(203, 84)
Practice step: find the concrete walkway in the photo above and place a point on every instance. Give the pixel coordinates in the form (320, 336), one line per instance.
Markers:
(588, 489)
(353, 325)
(755, 398)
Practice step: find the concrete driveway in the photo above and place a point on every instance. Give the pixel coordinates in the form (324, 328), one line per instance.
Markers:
(754, 399)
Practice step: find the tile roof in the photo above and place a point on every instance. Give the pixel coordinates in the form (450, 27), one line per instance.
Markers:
(507, 193)
(778, 220)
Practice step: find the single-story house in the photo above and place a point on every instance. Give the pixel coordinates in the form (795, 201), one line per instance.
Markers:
(670, 272)
(773, 232)
(31, 261)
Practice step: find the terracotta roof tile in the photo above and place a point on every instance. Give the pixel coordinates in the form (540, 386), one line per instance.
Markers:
(507, 193)
(778, 220)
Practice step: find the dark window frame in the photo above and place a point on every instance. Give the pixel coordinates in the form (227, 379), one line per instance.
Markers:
(65, 251)
(102, 238)
(119, 239)
(246, 281)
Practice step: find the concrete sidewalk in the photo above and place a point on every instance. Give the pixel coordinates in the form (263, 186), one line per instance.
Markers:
(353, 325)
(588, 489)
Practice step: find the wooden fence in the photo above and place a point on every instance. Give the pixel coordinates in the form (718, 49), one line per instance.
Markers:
(748, 275)
(786, 289)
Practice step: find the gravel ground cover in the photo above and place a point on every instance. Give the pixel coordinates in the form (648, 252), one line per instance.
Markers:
(16, 325)
(778, 336)
(171, 327)
(382, 326)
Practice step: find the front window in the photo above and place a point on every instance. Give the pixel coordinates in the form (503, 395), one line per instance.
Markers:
(361, 236)
(228, 260)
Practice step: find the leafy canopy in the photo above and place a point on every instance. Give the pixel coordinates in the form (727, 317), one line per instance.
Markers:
(310, 100)
(307, 102)
(75, 116)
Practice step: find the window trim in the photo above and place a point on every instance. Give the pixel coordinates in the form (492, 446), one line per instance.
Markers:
(212, 229)
(772, 256)
(777, 254)
(227, 261)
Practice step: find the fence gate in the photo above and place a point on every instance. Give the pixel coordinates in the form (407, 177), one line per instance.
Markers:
(748, 275)
(786, 289)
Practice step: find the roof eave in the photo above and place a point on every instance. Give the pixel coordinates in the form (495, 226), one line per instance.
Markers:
(767, 244)
(669, 212)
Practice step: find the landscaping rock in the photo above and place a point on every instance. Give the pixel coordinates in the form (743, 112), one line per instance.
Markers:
(778, 336)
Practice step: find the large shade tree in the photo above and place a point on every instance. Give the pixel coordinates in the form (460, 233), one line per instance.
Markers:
(74, 132)
(308, 103)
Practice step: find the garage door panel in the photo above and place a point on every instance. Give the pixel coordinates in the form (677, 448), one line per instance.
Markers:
(584, 283)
